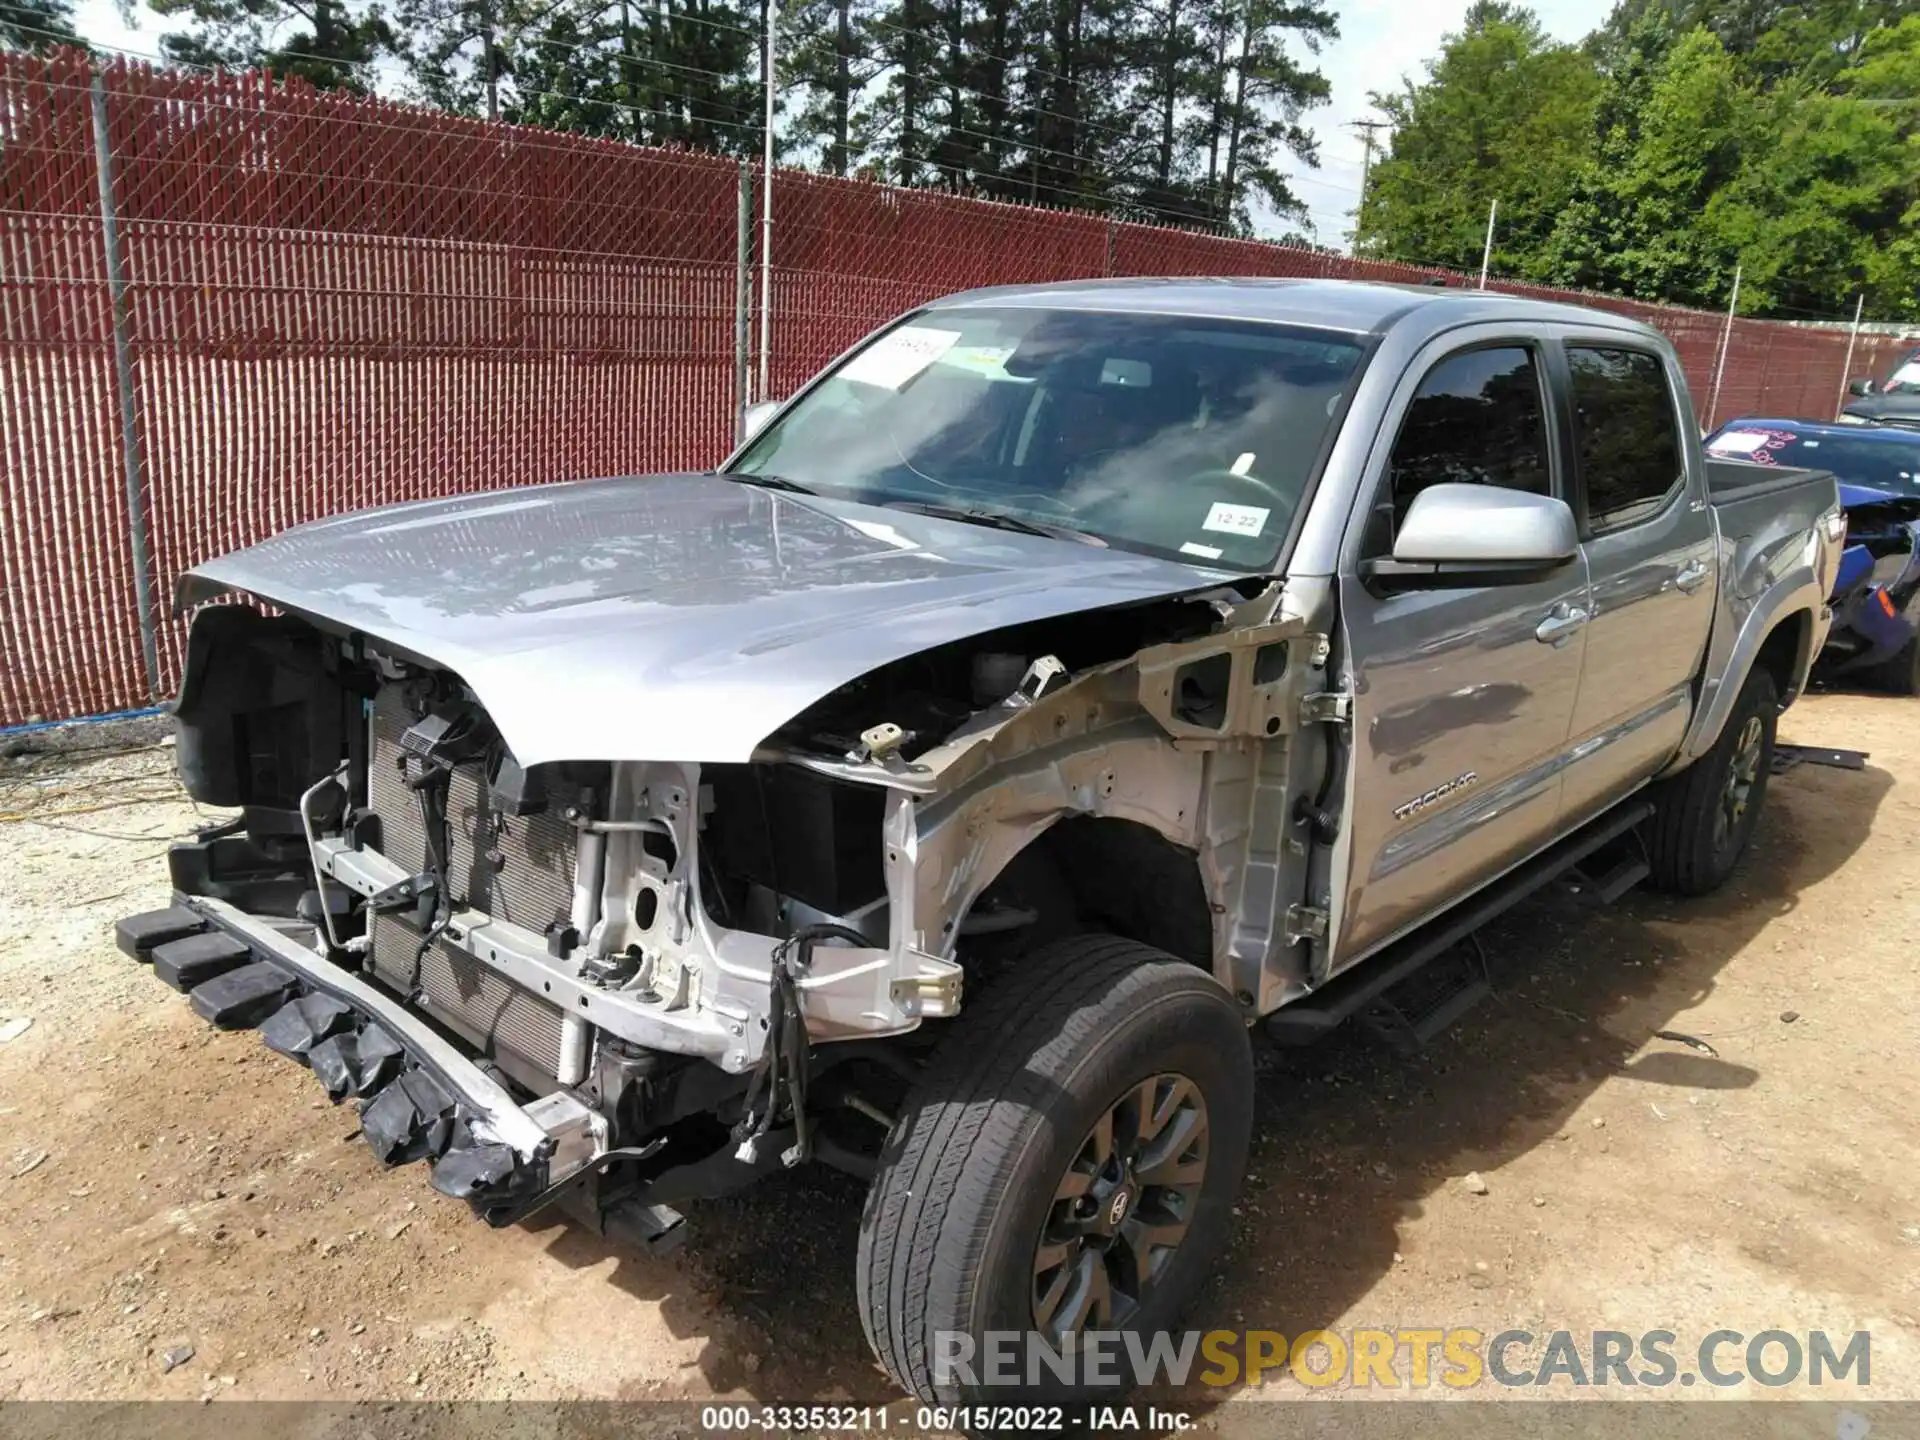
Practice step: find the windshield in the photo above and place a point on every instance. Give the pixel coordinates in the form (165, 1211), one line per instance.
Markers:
(1888, 461)
(1905, 380)
(1178, 436)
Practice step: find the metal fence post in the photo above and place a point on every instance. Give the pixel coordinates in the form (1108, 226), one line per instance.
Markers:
(1846, 369)
(123, 374)
(743, 303)
(770, 79)
(1726, 341)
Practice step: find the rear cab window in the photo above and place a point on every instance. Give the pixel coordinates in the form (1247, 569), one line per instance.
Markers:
(1625, 433)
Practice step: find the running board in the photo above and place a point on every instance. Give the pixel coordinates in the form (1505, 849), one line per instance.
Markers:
(1419, 1009)
(1367, 983)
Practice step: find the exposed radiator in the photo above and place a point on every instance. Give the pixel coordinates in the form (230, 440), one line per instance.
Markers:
(517, 868)
(493, 1013)
(532, 885)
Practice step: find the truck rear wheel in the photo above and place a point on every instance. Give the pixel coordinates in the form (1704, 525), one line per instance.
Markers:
(1067, 1164)
(1704, 816)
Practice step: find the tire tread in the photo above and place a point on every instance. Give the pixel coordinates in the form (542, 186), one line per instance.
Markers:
(985, 1077)
(1679, 834)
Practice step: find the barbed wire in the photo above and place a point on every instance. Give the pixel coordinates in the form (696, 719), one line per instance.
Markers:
(963, 180)
(935, 82)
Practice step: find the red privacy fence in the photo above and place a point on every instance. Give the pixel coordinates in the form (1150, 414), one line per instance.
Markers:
(326, 302)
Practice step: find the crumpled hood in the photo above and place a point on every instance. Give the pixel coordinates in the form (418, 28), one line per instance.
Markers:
(673, 618)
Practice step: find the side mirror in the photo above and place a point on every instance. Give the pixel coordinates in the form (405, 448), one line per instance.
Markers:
(1456, 536)
(754, 418)
(1862, 388)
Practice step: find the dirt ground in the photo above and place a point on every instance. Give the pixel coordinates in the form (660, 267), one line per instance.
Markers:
(168, 1186)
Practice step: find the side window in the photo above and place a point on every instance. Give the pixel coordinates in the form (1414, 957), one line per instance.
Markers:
(1477, 419)
(1630, 457)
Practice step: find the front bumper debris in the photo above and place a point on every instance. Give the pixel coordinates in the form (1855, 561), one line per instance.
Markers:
(421, 1098)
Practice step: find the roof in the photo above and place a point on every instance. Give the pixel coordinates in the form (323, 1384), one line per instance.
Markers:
(1358, 307)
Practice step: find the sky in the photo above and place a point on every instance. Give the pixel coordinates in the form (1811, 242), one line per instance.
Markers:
(1380, 42)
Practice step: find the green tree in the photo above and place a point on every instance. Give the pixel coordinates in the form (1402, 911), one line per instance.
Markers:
(1505, 114)
(828, 64)
(1813, 219)
(332, 44)
(1253, 122)
(456, 52)
(37, 26)
(679, 72)
(1672, 128)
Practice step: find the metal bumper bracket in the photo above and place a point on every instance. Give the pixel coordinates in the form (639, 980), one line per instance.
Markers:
(421, 1097)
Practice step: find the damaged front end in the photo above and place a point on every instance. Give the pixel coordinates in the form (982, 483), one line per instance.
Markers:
(626, 983)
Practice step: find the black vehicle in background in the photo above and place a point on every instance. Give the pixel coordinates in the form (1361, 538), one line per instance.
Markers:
(1893, 401)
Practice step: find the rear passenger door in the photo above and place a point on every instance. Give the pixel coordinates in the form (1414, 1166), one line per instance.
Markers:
(1648, 540)
(1462, 697)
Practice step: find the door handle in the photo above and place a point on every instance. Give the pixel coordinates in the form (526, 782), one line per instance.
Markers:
(1561, 624)
(1691, 576)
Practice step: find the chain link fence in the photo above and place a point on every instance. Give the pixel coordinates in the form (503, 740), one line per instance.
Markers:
(227, 307)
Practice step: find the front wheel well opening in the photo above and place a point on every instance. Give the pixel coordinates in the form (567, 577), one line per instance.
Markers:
(1089, 874)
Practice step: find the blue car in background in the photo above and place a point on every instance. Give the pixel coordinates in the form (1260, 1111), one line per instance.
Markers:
(1876, 599)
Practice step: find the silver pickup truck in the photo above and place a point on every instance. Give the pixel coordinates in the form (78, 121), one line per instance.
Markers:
(1065, 682)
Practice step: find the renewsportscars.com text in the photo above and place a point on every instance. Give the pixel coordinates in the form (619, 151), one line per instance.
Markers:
(1408, 1358)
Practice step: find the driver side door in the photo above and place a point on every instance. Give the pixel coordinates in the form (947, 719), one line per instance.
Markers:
(1463, 694)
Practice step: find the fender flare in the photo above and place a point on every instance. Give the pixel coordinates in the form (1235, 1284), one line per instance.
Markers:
(1781, 603)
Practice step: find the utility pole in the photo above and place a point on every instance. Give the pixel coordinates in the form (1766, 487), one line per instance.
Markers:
(1366, 129)
(626, 72)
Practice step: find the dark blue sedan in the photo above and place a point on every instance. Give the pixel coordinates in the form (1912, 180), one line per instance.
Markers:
(1876, 600)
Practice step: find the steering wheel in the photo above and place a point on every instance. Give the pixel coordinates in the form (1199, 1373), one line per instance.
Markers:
(1180, 510)
(1251, 486)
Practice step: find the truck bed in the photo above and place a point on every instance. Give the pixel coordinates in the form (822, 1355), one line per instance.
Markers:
(1732, 480)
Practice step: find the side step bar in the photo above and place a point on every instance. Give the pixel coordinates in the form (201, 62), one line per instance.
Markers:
(1358, 989)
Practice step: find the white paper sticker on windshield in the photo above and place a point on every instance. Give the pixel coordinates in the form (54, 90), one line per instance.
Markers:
(1739, 442)
(1236, 519)
(1205, 552)
(898, 356)
(988, 360)
(1908, 374)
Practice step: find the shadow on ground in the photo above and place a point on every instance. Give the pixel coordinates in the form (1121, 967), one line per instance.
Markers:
(1579, 993)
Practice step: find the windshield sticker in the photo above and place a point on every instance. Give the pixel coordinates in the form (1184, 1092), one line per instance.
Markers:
(1236, 519)
(1244, 464)
(987, 360)
(1205, 552)
(1739, 442)
(896, 357)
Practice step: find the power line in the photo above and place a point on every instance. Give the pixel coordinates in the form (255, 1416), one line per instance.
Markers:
(526, 136)
(1025, 147)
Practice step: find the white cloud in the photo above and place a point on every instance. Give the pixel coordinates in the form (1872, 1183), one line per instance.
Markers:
(1380, 42)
